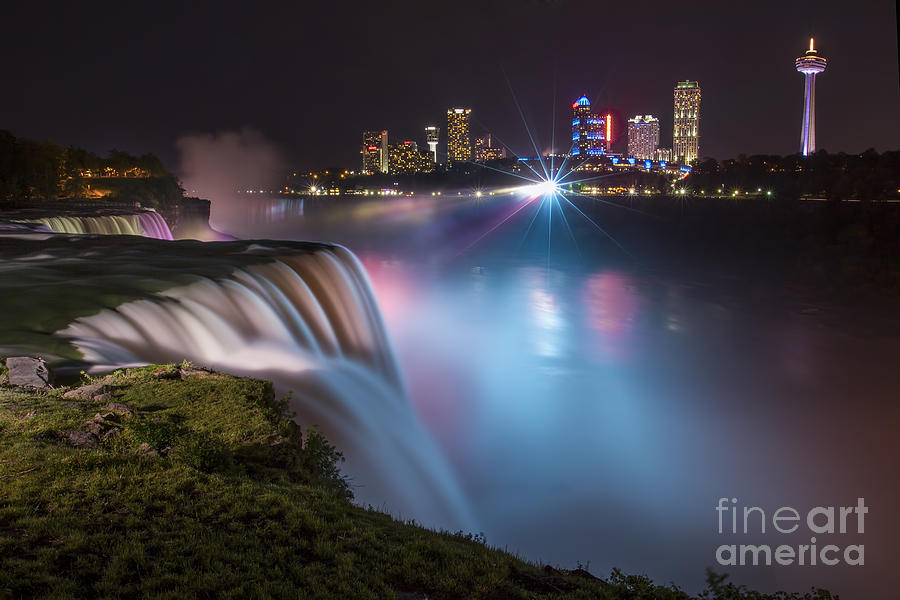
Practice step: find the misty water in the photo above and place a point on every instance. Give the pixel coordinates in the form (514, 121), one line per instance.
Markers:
(595, 407)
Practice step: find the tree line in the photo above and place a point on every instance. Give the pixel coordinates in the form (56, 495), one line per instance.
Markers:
(33, 170)
(868, 176)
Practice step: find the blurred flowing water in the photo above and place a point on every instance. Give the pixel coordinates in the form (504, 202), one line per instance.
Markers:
(147, 223)
(595, 408)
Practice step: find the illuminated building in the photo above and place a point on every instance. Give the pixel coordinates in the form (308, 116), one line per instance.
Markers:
(375, 152)
(588, 130)
(643, 136)
(406, 158)
(686, 134)
(431, 138)
(810, 64)
(459, 147)
(663, 154)
(485, 150)
(609, 132)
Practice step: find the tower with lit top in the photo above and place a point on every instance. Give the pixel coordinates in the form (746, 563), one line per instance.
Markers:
(587, 130)
(810, 64)
(431, 138)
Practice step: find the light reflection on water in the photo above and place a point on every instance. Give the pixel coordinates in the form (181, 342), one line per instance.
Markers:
(596, 411)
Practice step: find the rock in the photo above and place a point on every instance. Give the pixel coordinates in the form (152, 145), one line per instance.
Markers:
(27, 372)
(107, 418)
(119, 409)
(96, 428)
(103, 426)
(103, 397)
(193, 371)
(80, 439)
(112, 432)
(145, 450)
(86, 392)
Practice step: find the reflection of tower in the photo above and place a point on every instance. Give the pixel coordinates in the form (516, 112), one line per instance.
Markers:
(431, 138)
(686, 132)
(810, 64)
(459, 146)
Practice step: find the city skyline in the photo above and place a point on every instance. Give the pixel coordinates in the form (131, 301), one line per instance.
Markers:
(271, 67)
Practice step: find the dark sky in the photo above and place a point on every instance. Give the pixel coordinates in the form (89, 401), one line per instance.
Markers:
(312, 76)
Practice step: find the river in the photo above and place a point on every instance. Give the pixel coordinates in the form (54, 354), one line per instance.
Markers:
(596, 407)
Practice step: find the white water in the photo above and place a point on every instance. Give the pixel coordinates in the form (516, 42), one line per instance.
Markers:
(146, 224)
(310, 324)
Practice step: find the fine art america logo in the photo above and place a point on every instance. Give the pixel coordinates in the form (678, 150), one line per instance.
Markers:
(818, 521)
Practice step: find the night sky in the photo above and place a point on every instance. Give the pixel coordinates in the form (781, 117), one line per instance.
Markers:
(312, 76)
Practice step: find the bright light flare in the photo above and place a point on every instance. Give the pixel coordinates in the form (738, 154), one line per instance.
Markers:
(548, 187)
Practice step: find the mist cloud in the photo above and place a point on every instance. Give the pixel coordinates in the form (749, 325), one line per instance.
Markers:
(217, 165)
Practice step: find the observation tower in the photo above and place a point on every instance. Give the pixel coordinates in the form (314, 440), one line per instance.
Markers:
(810, 64)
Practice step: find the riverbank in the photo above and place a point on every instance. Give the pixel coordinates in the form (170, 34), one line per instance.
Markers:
(176, 481)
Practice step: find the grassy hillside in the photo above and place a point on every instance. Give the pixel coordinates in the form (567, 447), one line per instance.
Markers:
(176, 482)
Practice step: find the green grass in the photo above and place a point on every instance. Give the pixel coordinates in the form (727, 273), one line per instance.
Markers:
(209, 490)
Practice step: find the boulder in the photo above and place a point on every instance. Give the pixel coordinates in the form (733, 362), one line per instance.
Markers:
(80, 439)
(86, 392)
(118, 409)
(94, 427)
(27, 372)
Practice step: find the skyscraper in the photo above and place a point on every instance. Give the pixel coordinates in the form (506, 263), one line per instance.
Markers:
(406, 158)
(375, 152)
(431, 138)
(810, 64)
(643, 136)
(686, 133)
(459, 147)
(588, 130)
(485, 149)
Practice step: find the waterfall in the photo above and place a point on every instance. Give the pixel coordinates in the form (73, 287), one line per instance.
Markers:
(153, 225)
(309, 323)
(145, 223)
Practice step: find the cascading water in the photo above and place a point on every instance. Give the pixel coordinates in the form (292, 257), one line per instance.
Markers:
(154, 225)
(146, 223)
(310, 324)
